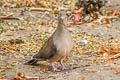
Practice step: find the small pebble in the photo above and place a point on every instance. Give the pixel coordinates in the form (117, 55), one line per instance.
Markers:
(83, 42)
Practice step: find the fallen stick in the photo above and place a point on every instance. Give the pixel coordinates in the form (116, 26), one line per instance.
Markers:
(40, 9)
(22, 76)
(7, 18)
(114, 56)
(46, 9)
(11, 18)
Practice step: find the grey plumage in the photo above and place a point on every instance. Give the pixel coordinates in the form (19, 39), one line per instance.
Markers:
(58, 45)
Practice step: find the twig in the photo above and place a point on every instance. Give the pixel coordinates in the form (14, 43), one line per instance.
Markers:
(40, 9)
(114, 56)
(32, 77)
(22, 76)
(7, 18)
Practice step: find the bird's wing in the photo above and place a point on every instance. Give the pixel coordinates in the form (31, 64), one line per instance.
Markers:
(47, 51)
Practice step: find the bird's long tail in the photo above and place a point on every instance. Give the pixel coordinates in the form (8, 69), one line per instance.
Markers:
(31, 62)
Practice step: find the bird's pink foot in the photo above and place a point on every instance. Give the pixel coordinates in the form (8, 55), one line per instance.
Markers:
(62, 65)
(54, 69)
(64, 68)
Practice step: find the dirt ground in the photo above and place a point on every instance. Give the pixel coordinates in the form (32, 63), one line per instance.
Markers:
(84, 61)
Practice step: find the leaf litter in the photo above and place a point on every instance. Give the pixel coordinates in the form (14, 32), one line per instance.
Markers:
(24, 48)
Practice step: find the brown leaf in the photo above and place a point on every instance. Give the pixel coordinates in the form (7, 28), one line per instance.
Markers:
(117, 71)
(2, 77)
(77, 15)
(20, 76)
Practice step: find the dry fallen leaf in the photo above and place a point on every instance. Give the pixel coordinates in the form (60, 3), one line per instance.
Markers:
(77, 15)
(2, 77)
(22, 76)
(109, 53)
(83, 78)
(1, 19)
(117, 71)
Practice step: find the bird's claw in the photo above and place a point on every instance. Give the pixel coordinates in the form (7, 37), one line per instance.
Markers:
(64, 68)
(56, 70)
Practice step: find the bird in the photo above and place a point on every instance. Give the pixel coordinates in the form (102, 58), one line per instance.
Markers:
(57, 47)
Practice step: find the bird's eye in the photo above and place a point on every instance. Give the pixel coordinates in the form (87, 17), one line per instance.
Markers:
(62, 17)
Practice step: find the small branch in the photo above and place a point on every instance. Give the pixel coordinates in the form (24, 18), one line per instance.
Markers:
(40, 9)
(22, 76)
(114, 56)
(46, 9)
(7, 18)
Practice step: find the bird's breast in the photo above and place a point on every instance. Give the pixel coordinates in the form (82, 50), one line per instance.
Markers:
(64, 43)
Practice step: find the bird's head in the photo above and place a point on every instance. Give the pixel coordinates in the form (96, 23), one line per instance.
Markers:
(62, 17)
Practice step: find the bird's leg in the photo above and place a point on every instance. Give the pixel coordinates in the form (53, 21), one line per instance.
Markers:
(54, 69)
(62, 65)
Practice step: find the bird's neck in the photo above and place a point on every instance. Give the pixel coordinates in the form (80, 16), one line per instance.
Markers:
(61, 25)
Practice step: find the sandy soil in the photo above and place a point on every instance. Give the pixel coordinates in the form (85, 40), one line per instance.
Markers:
(83, 65)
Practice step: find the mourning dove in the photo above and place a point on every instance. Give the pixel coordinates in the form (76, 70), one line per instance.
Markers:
(58, 45)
